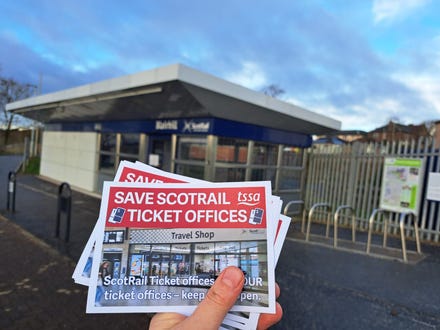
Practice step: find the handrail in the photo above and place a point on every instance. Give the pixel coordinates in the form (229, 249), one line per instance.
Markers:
(309, 220)
(335, 226)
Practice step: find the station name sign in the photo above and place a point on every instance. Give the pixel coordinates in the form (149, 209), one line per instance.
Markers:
(189, 126)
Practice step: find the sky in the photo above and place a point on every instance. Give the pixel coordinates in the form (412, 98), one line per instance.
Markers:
(362, 62)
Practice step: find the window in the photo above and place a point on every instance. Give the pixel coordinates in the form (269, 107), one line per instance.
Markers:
(108, 142)
(191, 148)
(180, 259)
(193, 171)
(230, 174)
(264, 154)
(232, 151)
(107, 157)
(232, 247)
(129, 147)
(292, 156)
(107, 162)
(190, 158)
(261, 174)
(204, 259)
(116, 147)
(231, 160)
(129, 144)
(290, 179)
(114, 236)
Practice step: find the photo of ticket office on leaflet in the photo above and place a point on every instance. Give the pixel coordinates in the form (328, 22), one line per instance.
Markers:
(129, 254)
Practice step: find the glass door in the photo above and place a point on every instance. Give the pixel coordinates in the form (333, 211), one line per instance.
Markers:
(159, 152)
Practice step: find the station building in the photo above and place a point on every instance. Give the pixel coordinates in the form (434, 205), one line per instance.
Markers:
(177, 119)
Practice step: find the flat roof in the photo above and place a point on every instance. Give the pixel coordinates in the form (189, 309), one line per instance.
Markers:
(174, 91)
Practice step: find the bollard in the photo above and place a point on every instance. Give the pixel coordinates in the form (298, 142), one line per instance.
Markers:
(64, 206)
(10, 203)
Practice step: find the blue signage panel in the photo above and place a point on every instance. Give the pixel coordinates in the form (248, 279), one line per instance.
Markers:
(234, 129)
(190, 126)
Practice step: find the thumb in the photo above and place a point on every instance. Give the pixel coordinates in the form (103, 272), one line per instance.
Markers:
(218, 301)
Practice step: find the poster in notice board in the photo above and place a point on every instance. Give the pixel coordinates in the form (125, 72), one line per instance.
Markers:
(402, 184)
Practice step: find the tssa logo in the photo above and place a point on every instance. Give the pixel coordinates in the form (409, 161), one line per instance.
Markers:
(249, 198)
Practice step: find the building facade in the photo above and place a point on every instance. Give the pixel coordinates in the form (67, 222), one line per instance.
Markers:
(178, 119)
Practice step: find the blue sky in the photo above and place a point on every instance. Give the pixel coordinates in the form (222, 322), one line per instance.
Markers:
(362, 62)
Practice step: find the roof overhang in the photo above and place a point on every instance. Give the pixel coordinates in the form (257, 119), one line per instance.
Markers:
(174, 91)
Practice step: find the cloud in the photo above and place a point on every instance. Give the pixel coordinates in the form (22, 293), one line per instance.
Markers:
(27, 66)
(369, 114)
(420, 76)
(322, 56)
(250, 75)
(428, 87)
(390, 10)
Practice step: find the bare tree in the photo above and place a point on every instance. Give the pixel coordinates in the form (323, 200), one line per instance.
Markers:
(273, 90)
(10, 91)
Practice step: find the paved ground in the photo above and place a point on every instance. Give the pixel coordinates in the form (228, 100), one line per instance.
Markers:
(327, 289)
(37, 292)
(322, 288)
(36, 288)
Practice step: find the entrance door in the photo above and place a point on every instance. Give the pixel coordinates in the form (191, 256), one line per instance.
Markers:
(159, 154)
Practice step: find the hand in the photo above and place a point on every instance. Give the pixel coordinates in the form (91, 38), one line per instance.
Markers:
(213, 309)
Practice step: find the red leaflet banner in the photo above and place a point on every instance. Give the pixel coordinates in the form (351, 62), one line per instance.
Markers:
(186, 207)
(130, 174)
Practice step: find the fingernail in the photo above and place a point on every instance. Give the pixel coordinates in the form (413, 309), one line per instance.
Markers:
(232, 277)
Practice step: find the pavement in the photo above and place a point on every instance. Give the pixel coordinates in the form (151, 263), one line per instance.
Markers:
(36, 286)
(322, 288)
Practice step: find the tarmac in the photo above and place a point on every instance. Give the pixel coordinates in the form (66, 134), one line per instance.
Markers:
(36, 286)
(322, 287)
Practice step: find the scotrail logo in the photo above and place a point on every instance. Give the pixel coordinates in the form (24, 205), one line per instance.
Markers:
(195, 127)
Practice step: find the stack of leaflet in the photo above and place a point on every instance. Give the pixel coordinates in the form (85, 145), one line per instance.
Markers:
(173, 235)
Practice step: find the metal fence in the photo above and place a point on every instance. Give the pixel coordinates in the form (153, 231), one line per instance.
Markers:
(352, 175)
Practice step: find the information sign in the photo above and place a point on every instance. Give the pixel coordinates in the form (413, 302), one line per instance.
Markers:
(401, 184)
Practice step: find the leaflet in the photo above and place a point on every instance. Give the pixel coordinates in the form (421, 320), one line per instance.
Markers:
(139, 172)
(175, 239)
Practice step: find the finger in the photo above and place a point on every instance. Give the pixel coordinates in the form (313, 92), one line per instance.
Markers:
(267, 320)
(277, 290)
(218, 301)
(166, 320)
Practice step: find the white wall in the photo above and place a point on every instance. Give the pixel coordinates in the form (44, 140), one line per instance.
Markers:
(71, 157)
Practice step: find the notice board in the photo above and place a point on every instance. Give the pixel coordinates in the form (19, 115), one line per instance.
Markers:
(402, 184)
(433, 189)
